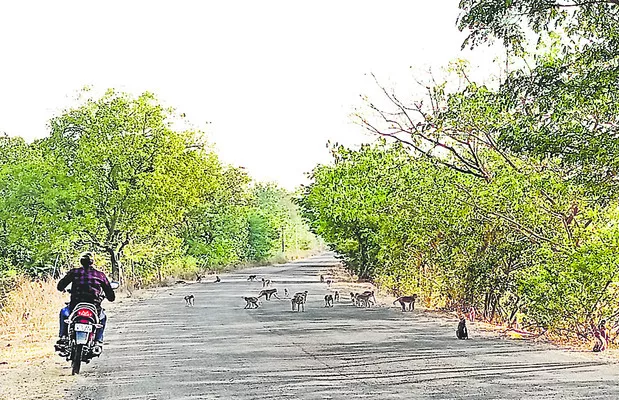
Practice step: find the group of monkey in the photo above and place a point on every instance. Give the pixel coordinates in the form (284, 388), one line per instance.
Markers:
(298, 300)
(365, 299)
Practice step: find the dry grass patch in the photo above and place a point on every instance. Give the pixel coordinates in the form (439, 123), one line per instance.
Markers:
(29, 368)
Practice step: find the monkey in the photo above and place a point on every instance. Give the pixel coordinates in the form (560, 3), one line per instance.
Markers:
(472, 314)
(337, 296)
(268, 293)
(601, 336)
(286, 293)
(189, 300)
(251, 278)
(266, 282)
(299, 300)
(406, 299)
(329, 282)
(329, 300)
(251, 302)
(304, 294)
(461, 332)
(353, 297)
(363, 299)
(322, 279)
(217, 280)
(198, 277)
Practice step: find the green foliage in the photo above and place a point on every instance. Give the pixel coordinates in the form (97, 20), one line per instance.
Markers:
(507, 199)
(114, 176)
(416, 225)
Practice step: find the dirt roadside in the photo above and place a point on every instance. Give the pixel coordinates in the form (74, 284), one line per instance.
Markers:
(32, 370)
(344, 283)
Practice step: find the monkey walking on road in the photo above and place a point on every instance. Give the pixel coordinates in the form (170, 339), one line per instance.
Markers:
(267, 293)
(251, 278)
(189, 300)
(251, 302)
(410, 300)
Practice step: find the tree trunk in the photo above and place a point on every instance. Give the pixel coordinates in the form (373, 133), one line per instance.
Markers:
(115, 263)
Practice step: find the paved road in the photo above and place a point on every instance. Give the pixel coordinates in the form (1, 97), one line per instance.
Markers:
(160, 349)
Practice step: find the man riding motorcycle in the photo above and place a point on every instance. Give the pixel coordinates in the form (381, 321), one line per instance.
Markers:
(87, 283)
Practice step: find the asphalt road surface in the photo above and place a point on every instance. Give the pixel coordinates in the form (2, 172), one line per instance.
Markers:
(161, 349)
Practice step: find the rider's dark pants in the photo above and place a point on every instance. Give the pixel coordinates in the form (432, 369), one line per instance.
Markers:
(64, 327)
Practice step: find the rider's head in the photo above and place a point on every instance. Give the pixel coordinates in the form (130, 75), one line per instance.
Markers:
(87, 259)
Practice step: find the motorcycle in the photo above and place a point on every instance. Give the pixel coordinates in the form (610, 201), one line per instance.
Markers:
(83, 323)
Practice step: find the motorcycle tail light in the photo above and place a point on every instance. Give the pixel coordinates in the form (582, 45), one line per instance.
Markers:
(85, 313)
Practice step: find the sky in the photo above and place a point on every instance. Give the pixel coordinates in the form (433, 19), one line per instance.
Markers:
(270, 82)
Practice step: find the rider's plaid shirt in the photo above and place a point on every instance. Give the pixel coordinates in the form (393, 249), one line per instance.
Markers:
(87, 285)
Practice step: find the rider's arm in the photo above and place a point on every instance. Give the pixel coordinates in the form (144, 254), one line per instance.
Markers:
(107, 289)
(64, 282)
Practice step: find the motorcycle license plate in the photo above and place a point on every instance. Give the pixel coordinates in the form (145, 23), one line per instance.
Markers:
(83, 328)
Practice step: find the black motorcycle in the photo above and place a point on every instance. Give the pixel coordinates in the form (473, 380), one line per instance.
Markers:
(83, 323)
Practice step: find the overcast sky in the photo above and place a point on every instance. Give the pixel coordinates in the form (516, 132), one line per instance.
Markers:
(275, 79)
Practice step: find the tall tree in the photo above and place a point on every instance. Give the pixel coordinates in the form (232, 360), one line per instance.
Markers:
(138, 175)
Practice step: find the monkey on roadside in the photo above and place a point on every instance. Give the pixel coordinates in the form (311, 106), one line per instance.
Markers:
(251, 302)
(403, 300)
(461, 332)
(267, 293)
(337, 296)
(217, 280)
(251, 278)
(329, 300)
(189, 300)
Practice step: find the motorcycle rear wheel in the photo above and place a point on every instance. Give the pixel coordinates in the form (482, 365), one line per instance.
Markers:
(76, 360)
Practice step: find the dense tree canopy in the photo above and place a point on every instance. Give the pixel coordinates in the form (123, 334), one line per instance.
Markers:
(114, 176)
(501, 197)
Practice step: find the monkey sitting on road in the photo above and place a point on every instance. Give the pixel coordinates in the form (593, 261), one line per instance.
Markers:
(267, 293)
(251, 278)
(461, 332)
(266, 282)
(337, 296)
(410, 300)
(217, 280)
(329, 300)
(189, 300)
(251, 302)
(286, 293)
